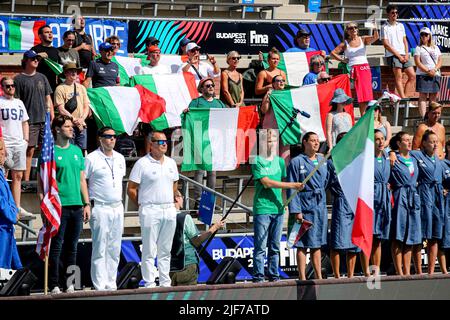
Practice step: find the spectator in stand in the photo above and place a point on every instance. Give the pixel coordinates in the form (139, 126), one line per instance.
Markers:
(428, 59)
(264, 79)
(183, 43)
(76, 207)
(114, 41)
(394, 40)
(103, 72)
(154, 55)
(323, 77)
(46, 50)
(231, 82)
(207, 100)
(316, 65)
(431, 122)
(445, 245)
(381, 124)
(302, 41)
(72, 100)
(14, 124)
(354, 48)
(152, 41)
(83, 43)
(406, 231)
(338, 120)
(184, 262)
(35, 92)
(199, 68)
(66, 52)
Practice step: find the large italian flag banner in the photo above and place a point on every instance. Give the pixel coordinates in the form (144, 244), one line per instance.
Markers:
(313, 99)
(353, 161)
(177, 90)
(294, 64)
(122, 108)
(128, 68)
(23, 34)
(218, 139)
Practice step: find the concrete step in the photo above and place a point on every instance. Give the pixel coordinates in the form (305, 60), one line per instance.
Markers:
(294, 12)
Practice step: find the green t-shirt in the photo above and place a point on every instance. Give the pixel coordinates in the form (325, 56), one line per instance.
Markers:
(270, 200)
(190, 231)
(69, 164)
(203, 103)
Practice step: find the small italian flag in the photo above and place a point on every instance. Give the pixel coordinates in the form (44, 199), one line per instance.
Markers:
(23, 34)
(315, 100)
(54, 66)
(177, 90)
(295, 64)
(128, 67)
(353, 160)
(122, 108)
(218, 139)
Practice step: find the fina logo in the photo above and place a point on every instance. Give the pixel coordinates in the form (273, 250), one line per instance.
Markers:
(258, 38)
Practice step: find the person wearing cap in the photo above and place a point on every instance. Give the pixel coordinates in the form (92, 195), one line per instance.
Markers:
(152, 41)
(46, 50)
(394, 41)
(338, 120)
(323, 77)
(183, 43)
(431, 122)
(78, 109)
(83, 43)
(354, 49)
(231, 82)
(105, 169)
(207, 100)
(66, 52)
(35, 92)
(103, 72)
(154, 67)
(428, 60)
(115, 42)
(316, 65)
(302, 41)
(199, 68)
(380, 123)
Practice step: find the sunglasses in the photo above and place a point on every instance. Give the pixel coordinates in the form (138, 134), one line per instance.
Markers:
(209, 86)
(394, 12)
(324, 79)
(194, 50)
(352, 28)
(424, 34)
(319, 63)
(8, 86)
(160, 142)
(37, 58)
(236, 58)
(109, 136)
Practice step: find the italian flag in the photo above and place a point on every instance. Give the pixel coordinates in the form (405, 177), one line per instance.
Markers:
(313, 99)
(295, 64)
(122, 108)
(23, 34)
(174, 61)
(353, 160)
(54, 66)
(128, 67)
(177, 90)
(218, 139)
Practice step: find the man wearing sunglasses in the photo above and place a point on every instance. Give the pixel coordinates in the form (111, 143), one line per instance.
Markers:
(394, 41)
(35, 92)
(199, 68)
(154, 67)
(66, 52)
(152, 185)
(302, 42)
(105, 169)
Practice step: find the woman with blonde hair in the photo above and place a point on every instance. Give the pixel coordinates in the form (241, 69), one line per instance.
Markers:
(231, 83)
(354, 48)
(428, 59)
(264, 78)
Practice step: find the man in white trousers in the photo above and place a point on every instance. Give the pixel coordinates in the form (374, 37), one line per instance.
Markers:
(152, 183)
(105, 169)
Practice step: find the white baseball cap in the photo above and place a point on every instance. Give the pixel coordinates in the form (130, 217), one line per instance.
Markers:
(425, 30)
(192, 45)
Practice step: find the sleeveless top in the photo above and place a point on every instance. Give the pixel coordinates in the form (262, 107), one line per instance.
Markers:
(234, 88)
(356, 55)
(341, 122)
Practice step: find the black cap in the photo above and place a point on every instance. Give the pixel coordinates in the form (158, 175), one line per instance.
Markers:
(303, 32)
(151, 41)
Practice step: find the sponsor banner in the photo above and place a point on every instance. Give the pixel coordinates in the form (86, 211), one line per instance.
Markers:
(440, 30)
(432, 11)
(376, 78)
(98, 29)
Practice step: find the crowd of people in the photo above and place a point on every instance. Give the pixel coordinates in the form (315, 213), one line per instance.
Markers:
(412, 172)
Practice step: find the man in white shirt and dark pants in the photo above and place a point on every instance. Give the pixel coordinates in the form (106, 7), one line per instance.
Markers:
(152, 184)
(105, 169)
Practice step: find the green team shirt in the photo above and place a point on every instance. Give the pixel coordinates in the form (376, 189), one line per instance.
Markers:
(203, 103)
(270, 200)
(190, 231)
(69, 164)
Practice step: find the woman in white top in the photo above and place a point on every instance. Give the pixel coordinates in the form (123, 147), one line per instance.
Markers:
(338, 120)
(354, 50)
(428, 59)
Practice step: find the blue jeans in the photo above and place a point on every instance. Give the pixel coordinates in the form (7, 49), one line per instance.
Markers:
(66, 241)
(79, 138)
(267, 228)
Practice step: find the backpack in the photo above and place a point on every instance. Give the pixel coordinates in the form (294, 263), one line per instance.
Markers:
(126, 146)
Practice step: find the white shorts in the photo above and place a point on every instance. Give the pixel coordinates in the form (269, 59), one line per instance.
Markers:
(17, 157)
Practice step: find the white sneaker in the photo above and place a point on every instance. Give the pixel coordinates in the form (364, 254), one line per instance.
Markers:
(55, 290)
(70, 289)
(150, 285)
(25, 214)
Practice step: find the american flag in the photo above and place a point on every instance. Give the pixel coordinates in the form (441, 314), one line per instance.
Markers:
(51, 204)
(444, 91)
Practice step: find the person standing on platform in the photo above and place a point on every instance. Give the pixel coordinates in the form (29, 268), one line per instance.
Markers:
(152, 185)
(310, 204)
(105, 169)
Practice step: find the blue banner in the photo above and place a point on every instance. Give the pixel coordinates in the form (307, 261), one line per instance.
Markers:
(206, 207)
(376, 78)
(314, 6)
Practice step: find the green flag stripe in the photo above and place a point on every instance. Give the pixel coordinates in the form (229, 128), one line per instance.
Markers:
(54, 66)
(104, 110)
(146, 81)
(160, 123)
(354, 142)
(281, 101)
(15, 37)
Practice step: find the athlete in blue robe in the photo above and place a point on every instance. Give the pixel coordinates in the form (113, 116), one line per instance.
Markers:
(446, 184)
(382, 199)
(311, 201)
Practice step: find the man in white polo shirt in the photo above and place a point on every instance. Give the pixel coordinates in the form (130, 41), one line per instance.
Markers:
(105, 169)
(152, 183)
(394, 41)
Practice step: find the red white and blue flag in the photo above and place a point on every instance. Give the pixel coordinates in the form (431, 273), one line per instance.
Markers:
(444, 91)
(50, 204)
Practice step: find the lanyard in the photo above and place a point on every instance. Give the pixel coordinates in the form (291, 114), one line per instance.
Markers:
(112, 169)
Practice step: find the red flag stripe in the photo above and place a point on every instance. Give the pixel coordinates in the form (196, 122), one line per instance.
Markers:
(362, 232)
